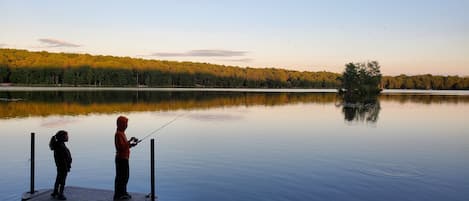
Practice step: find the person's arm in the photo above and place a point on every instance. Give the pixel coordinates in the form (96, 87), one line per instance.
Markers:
(68, 159)
(121, 143)
(62, 156)
(133, 142)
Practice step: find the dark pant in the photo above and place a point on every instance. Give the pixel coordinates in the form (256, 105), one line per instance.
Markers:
(122, 177)
(60, 180)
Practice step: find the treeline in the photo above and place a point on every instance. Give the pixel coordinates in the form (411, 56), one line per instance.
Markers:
(65, 69)
(425, 82)
(21, 67)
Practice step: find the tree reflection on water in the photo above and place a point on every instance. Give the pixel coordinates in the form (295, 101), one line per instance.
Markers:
(46, 103)
(361, 112)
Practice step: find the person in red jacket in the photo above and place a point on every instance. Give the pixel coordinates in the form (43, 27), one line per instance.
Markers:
(122, 159)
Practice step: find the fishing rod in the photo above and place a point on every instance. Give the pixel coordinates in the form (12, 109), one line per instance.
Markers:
(158, 129)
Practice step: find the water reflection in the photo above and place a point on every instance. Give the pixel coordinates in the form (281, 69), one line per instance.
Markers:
(107, 102)
(215, 117)
(57, 122)
(226, 142)
(362, 110)
(46, 103)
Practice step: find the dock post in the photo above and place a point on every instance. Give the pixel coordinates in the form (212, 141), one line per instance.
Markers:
(32, 163)
(152, 168)
(28, 195)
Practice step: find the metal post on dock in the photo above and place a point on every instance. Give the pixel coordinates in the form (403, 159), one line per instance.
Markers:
(152, 168)
(32, 163)
(28, 195)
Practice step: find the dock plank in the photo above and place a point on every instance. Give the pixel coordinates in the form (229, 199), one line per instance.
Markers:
(84, 194)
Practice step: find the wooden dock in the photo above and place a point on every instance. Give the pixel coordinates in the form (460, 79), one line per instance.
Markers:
(82, 194)
(87, 194)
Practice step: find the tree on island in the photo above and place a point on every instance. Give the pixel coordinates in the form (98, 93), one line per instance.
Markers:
(359, 89)
(360, 81)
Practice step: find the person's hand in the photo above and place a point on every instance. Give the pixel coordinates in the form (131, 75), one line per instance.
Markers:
(133, 141)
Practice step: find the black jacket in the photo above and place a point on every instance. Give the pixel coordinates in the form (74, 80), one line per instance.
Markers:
(62, 156)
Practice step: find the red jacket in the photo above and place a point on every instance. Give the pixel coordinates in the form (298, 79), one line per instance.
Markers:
(120, 140)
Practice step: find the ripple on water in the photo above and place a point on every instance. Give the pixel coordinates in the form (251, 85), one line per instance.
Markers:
(389, 170)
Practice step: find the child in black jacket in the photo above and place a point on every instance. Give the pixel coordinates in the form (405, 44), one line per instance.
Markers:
(63, 161)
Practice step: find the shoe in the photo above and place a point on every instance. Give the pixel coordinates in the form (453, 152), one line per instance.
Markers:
(61, 197)
(123, 197)
(53, 194)
(128, 195)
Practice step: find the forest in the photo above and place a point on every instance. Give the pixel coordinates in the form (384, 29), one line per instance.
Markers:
(28, 68)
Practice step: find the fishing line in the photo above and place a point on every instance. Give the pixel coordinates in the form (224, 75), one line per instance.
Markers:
(161, 127)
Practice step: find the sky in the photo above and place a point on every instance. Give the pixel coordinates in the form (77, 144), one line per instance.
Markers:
(404, 36)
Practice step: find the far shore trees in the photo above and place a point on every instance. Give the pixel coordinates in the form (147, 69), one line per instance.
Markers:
(26, 68)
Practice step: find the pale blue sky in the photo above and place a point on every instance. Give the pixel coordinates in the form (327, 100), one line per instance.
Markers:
(411, 37)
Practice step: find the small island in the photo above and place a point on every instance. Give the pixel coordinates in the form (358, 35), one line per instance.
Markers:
(359, 91)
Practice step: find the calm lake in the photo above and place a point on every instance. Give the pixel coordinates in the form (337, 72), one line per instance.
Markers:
(246, 145)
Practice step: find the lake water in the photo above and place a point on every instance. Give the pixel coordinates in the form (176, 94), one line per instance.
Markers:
(246, 145)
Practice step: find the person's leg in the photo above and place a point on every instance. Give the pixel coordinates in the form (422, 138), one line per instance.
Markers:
(62, 176)
(125, 175)
(117, 179)
(56, 184)
(120, 181)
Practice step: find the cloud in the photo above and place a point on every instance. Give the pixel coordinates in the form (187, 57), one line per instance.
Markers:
(201, 53)
(50, 42)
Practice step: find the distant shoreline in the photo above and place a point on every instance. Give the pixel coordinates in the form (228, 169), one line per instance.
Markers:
(28, 68)
(263, 90)
(20, 88)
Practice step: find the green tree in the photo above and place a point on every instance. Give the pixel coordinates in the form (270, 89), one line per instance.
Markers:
(361, 80)
(4, 71)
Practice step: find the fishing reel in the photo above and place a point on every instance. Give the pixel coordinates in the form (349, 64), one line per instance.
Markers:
(133, 141)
